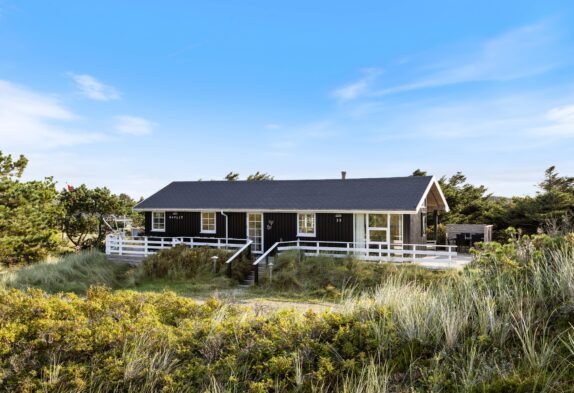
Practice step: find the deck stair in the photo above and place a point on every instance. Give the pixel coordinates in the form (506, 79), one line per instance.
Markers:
(249, 279)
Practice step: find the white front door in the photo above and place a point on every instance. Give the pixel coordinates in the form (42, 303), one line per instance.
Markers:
(255, 231)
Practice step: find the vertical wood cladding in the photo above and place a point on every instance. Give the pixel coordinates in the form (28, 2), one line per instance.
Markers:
(407, 229)
(279, 227)
(413, 231)
(334, 227)
(329, 227)
(237, 225)
(189, 224)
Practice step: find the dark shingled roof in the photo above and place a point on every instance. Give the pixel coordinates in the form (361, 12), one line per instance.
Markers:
(378, 194)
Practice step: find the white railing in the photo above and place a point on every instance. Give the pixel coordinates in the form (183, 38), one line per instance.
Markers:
(261, 258)
(144, 245)
(372, 251)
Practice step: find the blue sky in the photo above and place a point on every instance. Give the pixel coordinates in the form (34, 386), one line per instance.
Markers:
(133, 95)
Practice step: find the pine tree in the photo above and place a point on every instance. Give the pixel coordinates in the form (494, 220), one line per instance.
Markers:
(28, 214)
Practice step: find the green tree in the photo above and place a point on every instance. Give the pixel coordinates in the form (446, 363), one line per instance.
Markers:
(28, 214)
(554, 182)
(554, 201)
(232, 176)
(469, 204)
(258, 176)
(85, 211)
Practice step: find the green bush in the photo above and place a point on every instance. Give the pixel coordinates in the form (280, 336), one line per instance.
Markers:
(184, 263)
(71, 273)
(477, 331)
(331, 276)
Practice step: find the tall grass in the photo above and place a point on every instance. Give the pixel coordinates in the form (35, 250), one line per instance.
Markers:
(71, 273)
(502, 325)
(485, 326)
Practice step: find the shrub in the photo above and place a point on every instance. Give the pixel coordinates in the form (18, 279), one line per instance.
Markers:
(71, 273)
(329, 276)
(184, 263)
(473, 332)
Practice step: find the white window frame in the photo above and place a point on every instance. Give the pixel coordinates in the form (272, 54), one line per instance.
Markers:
(153, 228)
(214, 230)
(314, 234)
(387, 228)
(248, 227)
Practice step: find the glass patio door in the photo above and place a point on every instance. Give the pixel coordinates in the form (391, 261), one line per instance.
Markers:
(255, 231)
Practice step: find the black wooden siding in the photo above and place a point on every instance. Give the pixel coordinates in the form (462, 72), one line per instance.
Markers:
(329, 227)
(279, 227)
(276, 227)
(189, 224)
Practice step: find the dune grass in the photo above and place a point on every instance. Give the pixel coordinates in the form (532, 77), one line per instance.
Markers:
(72, 273)
(505, 324)
(335, 278)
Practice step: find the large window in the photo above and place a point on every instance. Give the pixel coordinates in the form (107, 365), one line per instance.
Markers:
(385, 228)
(306, 224)
(378, 228)
(208, 222)
(158, 221)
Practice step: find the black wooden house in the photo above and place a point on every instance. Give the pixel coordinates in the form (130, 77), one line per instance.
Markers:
(356, 211)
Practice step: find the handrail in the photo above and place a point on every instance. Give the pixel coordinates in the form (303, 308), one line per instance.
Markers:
(116, 244)
(261, 258)
(264, 255)
(301, 242)
(239, 252)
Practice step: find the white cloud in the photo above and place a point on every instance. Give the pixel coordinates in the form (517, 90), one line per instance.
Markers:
(526, 51)
(358, 88)
(521, 119)
(31, 120)
(93, 89)
(133, 125)
(561, 121)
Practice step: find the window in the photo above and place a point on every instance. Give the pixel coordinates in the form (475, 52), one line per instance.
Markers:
(378, 221)
(397, 228)
(255, 230)
(306, 224)
(377, 228)
(158, 221)
(207, 222)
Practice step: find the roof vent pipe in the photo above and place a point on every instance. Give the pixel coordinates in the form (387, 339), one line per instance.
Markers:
(343, 175)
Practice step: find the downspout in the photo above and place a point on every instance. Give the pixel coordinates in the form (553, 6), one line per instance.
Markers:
(226, 226)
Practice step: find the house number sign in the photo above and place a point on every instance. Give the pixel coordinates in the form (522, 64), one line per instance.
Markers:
(175, 216)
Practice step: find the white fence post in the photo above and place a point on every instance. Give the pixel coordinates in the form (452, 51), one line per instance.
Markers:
(120, 245)
(145, 246)
(108, 244)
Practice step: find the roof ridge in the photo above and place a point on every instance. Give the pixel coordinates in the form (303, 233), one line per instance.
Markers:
(301, 180)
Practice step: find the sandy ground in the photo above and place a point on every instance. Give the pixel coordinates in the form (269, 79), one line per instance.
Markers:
(264, 305)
